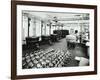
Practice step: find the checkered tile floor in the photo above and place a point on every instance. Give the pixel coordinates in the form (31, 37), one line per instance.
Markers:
(45, 59)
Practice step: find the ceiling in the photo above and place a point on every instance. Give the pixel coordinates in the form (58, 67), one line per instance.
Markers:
(59, 15)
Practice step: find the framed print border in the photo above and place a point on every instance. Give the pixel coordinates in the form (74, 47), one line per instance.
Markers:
(14, 38)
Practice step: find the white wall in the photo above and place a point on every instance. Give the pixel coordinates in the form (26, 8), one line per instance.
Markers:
(75, 25)
(25, 27)
(5, 40)
(34, 29)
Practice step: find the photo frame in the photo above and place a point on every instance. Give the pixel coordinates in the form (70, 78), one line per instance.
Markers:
(58, 11)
